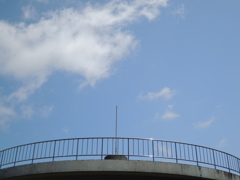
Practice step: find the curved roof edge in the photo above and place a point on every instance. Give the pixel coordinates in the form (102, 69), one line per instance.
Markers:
(114, 167)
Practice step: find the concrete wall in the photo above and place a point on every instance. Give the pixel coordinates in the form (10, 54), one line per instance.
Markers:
(112, 168)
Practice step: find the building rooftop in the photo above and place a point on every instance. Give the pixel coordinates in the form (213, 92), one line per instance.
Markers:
(72, 153)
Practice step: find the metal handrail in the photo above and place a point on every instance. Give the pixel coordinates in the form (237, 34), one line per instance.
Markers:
(132, 148)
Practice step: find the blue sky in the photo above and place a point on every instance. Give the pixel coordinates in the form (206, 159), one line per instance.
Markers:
(171, 67)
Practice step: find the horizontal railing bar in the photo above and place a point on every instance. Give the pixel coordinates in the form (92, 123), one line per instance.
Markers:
(150, 139)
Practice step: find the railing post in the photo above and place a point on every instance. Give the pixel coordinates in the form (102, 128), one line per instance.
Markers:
(77, 150)
(238, 165)
(16, 157)
(176, 152)
(215, 166)
(2, 153)
(228, 163)
(102, 150)
(33, 152)
(128, 149)
(196, 154)
(54, 149)
(153, 149)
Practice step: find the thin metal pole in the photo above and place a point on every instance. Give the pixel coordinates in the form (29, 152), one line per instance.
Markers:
(102, 149)
(77, 149)
(238, 166)
(215, 166)
(33, 152)
(229, 168)
(16, 156)
(153, 150)
(176, 152)
(54, 150)
(2, 156)
(129, 149)
(116, 132)
(116, 122)
(196, 154)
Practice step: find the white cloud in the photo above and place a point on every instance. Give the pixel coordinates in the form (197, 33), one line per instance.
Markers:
(180, 11)
(27, 111)
(65, 130)
(223, 142)
(170, 106)
(205, 124)
(86, 42)
(6, 113)
(4, 124)
(24, 91)
(42, 1)
(170, 115)
(165, 93)
(29, 12)
(46, 111)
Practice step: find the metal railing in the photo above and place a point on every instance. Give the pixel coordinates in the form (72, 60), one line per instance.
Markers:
(132, 148)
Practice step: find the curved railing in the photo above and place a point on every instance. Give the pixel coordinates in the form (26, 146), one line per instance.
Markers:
(132, 148)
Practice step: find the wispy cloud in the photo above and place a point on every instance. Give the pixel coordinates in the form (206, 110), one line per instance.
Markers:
(24, 91)
(6, 113)
(46, 111)
(170, 115)
(27, 111)
(65, 130)
(204, 124)
(170, 106)
(165, 93)
(180, 11)
(223, 142)
(42, 1)
(29, 12)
